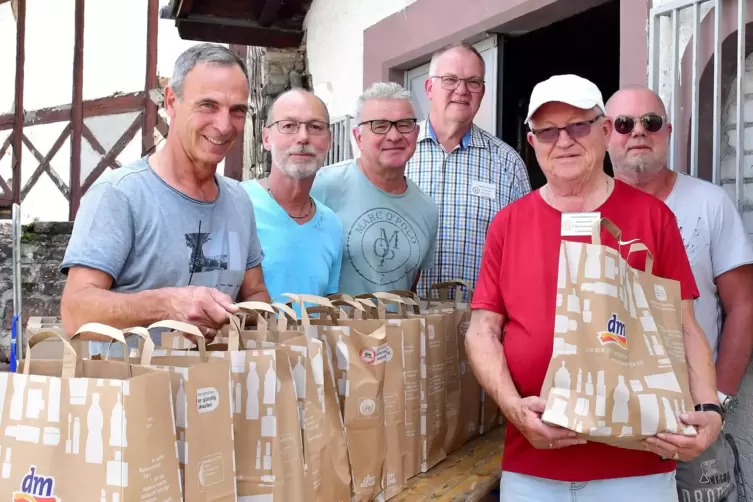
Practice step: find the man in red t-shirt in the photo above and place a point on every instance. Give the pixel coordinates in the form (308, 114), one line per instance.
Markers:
(516, 294)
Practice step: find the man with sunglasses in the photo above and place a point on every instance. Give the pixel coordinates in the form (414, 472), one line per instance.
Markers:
(516, 294)
(721, 258)
(301, 237)
(389, 224)
(469, 172)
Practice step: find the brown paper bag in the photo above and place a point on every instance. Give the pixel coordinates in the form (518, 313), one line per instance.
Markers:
(618, 372)
(86, 429)
(203, 409)
(389, 354)
(361, 389)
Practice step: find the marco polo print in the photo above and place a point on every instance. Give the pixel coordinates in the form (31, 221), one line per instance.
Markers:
(388, 238)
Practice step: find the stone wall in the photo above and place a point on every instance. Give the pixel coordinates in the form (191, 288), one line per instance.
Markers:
(739, 423)
(271, 72)
(42, 249)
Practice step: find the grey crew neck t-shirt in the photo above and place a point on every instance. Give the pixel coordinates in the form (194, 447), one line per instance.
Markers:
(388, 237)
(147, 235)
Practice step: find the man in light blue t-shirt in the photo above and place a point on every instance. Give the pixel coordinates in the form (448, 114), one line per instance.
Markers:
(301, 237)
(389, 224)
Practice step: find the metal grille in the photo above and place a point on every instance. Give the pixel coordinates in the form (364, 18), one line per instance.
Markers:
(341, 147)
(673, 12)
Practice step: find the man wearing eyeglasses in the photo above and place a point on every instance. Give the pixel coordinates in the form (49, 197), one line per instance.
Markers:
(389, 224)
(301, 237)
(721, 258)
(469, 172)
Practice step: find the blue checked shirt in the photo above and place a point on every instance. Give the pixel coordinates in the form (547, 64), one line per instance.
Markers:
(470, 185)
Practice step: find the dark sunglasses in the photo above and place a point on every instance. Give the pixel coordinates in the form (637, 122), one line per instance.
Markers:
(574, 130)
(650, 122)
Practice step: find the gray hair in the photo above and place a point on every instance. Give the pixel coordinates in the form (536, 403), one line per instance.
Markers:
(382, 90)
(203, 53)
(459, 45)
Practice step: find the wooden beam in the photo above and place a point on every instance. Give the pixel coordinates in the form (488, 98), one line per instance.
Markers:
(236, 32)
(44, 165)
(269, 12)
(77, 111)
(18, 116)
(184, 7)
(234, 159)
(123, 103)
(150, 117)
(88, 135)
(112, 155)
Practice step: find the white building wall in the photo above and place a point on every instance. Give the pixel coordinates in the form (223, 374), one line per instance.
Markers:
(114, 61)
(334, 43)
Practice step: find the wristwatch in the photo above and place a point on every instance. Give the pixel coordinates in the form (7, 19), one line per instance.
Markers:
(726, 401)
(712, 407)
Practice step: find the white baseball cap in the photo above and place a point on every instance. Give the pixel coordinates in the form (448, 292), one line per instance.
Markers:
(570, 89)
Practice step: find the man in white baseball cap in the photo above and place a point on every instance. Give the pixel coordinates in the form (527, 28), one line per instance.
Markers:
(569, 133)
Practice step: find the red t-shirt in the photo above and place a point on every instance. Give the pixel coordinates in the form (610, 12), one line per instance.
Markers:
(518, 279)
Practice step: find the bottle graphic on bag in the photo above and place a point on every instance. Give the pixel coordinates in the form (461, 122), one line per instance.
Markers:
(94, 423)
(118, 425)
(181, 406)
(299, 377)
(621, 396)
(342, 354)
(270, 383)
(252, 392)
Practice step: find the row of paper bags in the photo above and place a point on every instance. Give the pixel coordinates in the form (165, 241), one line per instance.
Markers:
(345, 403)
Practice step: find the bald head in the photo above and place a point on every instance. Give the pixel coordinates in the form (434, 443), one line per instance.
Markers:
(633, 97)
(294, 99)
(638, 147)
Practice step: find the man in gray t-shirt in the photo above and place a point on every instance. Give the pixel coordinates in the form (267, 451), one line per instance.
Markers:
(167, 237)
(389, 224)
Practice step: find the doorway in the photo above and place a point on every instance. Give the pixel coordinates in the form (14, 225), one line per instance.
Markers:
(586, 44)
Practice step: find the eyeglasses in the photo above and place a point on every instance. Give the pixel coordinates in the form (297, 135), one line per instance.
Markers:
(651, 122)
(574, 130)
(380, 126)
(314, 127)
(451, 82)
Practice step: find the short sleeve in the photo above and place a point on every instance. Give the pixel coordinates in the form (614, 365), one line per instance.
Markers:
(488, 293)
(730, 245)
(255, 253)
(103, 232)
(671, 260)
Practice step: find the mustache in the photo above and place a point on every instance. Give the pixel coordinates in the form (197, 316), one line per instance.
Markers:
(301, 149)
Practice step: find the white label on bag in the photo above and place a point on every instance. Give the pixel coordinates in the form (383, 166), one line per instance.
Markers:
(578, 224)
(207, 399)
(376, 355)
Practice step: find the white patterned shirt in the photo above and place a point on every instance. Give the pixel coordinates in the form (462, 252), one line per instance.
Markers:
(470, 185)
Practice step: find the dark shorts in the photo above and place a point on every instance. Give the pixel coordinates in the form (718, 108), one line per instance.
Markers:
(712, 476)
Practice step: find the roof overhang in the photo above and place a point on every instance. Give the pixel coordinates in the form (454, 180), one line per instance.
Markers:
(265, 23)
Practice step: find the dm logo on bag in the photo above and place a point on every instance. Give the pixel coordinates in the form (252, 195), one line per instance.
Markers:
(36, 488)
(615, 333)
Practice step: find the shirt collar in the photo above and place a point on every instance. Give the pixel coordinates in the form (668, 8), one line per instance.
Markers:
(428, 133)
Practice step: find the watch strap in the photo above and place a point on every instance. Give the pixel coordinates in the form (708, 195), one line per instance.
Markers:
(710, 407)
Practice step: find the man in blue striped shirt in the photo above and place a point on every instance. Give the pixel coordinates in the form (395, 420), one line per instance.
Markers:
(470, 173)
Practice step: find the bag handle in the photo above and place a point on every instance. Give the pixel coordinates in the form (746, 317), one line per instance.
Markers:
(637, 247)
(609, 226)
(183, 327)
(301, 299)
(69, 353)
(444, 289)
(234, 339)
(146, 350)
(287, 314)
(258, 308)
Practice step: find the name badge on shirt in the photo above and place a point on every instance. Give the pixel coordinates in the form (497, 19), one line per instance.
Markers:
(483, 190)
(578, 224)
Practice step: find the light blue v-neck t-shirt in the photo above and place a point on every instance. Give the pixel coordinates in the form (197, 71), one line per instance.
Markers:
(300, 259)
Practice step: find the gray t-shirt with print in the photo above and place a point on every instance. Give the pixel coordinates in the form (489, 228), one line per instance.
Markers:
(147, 235)
(388, 237)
